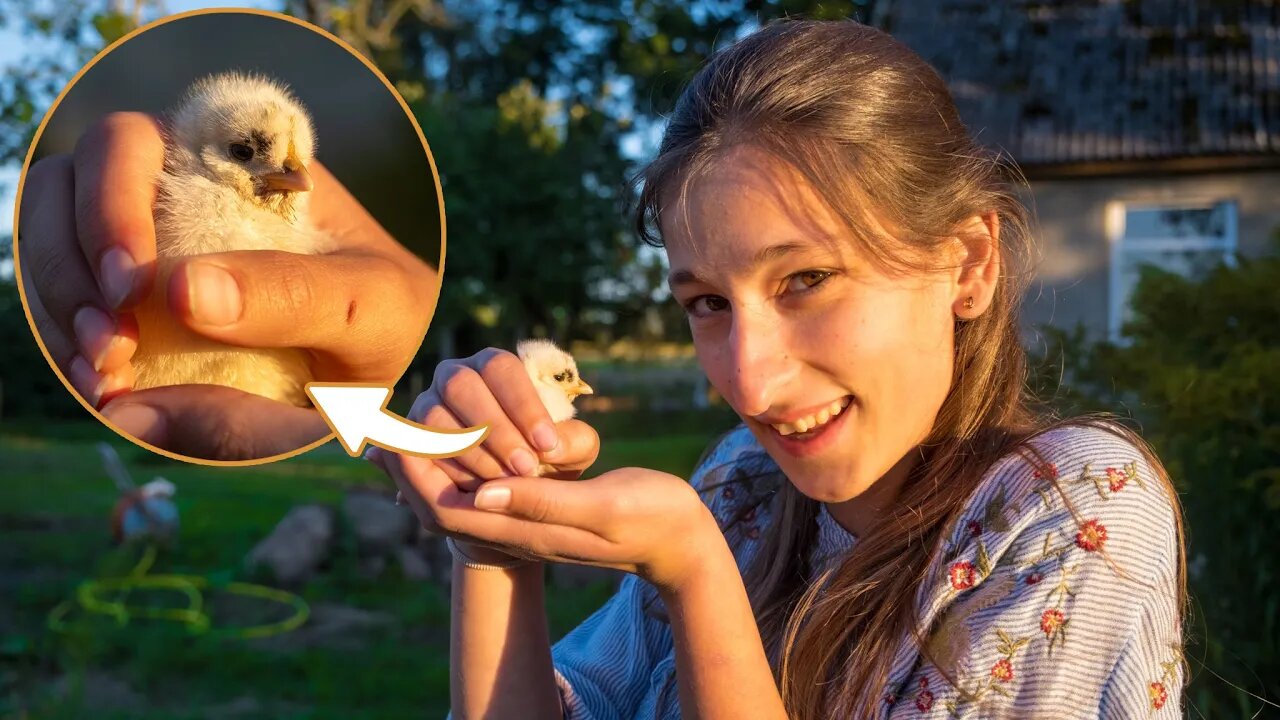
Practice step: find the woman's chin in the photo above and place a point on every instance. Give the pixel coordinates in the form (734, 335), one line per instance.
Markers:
(825, 484)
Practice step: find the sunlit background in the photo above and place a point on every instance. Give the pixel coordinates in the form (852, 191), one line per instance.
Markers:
(1148, 132)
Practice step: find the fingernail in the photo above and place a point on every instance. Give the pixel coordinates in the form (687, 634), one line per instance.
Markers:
(493, 498)
(116, 273)
(546, 437)
(523, 462)
(95, 334)
(213, 296)
(138, 420)
(114, 385)
(85, 380)
(371, 454)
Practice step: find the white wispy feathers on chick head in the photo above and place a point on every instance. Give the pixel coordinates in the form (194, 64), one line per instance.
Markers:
(554, 374)
(247, 132)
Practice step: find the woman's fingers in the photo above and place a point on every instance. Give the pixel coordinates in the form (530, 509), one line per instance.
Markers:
(54, 271)
(468, 469)
(215, 422)
(117, 162)
(469, 397)
(546, 501)
(444, 508)
(511, 388)
(578, 449)
(346, 307)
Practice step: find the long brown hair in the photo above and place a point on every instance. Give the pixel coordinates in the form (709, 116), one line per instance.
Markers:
(869, 124)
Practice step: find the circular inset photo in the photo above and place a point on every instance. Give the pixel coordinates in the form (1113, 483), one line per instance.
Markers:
(219, 209)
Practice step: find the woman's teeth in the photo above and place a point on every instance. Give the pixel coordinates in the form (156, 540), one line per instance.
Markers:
(817, 420)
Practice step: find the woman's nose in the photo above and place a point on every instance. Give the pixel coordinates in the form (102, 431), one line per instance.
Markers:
(759, 362)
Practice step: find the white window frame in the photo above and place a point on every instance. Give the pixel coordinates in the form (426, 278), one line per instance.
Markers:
(1116, 214)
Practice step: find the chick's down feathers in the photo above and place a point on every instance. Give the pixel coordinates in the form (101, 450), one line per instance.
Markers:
(555, 376)
(235, 178)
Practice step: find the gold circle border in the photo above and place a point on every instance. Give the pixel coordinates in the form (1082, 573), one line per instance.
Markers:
(36, 141)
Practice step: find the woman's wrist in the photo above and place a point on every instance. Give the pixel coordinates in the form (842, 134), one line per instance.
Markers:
(484, 558)
(704, 553)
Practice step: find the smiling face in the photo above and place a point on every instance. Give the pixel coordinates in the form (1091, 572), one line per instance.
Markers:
(837, 366)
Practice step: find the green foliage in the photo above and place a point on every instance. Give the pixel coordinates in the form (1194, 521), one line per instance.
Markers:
(1200, 372)
(531, 227)
(28, 386)
(60, 36)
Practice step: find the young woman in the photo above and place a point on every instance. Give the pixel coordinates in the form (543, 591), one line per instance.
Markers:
(892, 531)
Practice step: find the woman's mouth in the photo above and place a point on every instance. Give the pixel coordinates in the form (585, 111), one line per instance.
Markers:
(810, 424)
(811, 434)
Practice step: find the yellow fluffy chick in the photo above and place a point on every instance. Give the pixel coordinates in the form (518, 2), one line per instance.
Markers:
(235, 178)
(554, 374)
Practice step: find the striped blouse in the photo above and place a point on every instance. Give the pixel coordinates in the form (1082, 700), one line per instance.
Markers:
(1023, 608)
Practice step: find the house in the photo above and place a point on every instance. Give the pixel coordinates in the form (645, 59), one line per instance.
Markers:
(1149, 131)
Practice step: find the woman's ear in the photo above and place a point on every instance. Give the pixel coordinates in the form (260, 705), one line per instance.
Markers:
(978, 265)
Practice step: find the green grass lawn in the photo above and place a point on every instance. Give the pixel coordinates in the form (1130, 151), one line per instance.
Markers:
(54, 506)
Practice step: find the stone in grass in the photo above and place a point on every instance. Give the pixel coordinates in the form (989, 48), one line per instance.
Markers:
(425, 558)
(414, 565)
(379, 526)
(297, 547)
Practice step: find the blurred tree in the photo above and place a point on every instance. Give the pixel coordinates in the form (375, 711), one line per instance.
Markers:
(60, 36)
(1200, 372)
(526, 105)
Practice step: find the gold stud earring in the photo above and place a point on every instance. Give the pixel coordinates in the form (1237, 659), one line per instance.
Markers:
(968, 303)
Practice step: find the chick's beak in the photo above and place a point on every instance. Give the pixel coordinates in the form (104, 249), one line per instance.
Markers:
(582, 388)
(295, 178)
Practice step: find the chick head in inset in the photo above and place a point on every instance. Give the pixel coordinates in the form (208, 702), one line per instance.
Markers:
(554, 374)
(248, 133)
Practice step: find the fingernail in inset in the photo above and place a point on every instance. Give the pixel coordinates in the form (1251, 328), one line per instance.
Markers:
(116, 273)
(141, 421)
(213, 295)
(86, 382)
(95, 332)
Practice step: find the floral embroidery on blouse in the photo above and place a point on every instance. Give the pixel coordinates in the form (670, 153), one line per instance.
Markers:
(1000, 675)
(1159, 690)
(1058, 559)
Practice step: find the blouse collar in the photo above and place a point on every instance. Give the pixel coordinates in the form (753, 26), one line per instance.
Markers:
(833, 540)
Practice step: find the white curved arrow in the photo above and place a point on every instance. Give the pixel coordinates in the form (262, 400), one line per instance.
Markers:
(358, 414)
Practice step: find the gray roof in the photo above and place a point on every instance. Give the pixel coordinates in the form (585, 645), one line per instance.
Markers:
(1060, 82)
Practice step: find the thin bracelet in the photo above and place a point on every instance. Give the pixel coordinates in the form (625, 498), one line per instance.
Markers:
(467, 560)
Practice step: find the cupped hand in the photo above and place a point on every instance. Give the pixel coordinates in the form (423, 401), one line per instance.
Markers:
(86, 254)
(636, 520)
(493, 388)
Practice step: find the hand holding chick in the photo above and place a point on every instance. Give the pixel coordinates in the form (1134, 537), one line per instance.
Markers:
(525, 399)
(86, 255)
(235, 178)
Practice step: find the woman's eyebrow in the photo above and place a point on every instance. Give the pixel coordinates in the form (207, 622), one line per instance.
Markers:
(762, 256)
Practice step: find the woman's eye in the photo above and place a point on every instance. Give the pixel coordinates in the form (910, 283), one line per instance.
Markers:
(241, 152)
(704, 305)
(807, 280)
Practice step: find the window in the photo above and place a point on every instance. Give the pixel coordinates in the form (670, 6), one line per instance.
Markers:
(1186, 238)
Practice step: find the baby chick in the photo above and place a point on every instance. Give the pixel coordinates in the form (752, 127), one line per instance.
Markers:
(235, 178)
(554, 374)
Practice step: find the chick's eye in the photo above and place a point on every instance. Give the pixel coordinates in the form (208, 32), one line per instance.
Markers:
(560, 377)
(807, 280)
(705, 305)
(241, 152)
